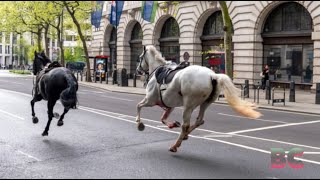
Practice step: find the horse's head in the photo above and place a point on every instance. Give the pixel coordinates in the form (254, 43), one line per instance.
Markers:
(39, 62)
(143, 66)
(149, 60)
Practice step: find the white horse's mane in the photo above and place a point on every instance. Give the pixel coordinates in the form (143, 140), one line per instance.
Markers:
(156, 54)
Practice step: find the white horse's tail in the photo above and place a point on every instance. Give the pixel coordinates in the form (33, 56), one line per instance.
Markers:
(231, 92)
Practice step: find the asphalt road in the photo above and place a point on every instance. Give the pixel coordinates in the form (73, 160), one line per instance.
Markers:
(100, 140)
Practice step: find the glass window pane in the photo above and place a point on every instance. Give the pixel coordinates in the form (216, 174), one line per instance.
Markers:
(214, 24)
(170, 28)
(136, 32)
(289, 16)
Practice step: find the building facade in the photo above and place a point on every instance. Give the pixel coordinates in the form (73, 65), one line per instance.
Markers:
(283, 34)
(7, 46)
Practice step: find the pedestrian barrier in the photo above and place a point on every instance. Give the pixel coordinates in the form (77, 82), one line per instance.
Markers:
(278, 100)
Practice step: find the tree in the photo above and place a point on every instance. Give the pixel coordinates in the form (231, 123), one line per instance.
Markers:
(80, 11)
(227, 37)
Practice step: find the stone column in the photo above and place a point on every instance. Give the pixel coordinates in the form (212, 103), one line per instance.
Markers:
(316, 60)
(248, 58)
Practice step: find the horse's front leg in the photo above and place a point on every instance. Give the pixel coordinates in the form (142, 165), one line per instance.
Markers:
(51, 104)
(60, 122)
(144, 103)
(35, 99)
(165, 116)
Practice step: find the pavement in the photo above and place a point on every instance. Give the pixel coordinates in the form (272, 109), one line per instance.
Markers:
(304, 100)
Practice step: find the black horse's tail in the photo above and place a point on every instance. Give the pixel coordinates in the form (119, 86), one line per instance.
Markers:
(68, 96)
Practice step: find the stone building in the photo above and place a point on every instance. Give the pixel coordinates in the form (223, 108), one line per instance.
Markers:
(283, 34)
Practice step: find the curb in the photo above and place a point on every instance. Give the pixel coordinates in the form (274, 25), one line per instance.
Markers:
(260, 107)
(107, 89)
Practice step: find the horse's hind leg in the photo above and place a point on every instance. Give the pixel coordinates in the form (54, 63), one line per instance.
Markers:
(35, 99)
(185, 126)
(51, 104)
(199, 120)
(60, 122)
(165, 116)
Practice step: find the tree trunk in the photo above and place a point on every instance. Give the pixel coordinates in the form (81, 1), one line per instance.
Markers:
(82, 40)
(46, 42)
(61, 48)
(227, 38)
(39, 38)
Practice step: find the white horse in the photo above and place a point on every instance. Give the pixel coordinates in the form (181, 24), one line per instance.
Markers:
(191, 87)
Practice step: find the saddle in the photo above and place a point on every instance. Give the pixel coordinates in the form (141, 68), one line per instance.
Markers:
(53, 65)
(164, 75)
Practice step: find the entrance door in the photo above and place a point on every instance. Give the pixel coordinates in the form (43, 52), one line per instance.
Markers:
(296, 63)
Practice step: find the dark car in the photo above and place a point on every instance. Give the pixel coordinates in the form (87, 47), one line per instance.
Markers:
(76, 66)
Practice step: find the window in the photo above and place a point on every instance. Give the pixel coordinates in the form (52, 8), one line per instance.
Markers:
(137, 32)
(170, 29)
(214, 25)
(287, 17)
(169, 41)
(290, 62)
(113, 34)
(0, 49)
(69, 37)
(7, 50)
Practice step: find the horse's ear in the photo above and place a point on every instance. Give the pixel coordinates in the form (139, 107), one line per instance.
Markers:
(35, 52)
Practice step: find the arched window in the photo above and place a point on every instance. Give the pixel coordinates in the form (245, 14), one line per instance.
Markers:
(137, 32)
(136, 48)
(212, 43)
(289, 16)
(170, 29)
(112, 46)
(214, 25)
(113, 34)
(287, 43)
(169, 40)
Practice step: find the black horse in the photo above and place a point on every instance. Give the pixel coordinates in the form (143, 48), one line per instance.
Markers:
(53, 82)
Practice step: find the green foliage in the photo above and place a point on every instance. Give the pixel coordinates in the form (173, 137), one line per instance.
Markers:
(76, 56)
(20, 71)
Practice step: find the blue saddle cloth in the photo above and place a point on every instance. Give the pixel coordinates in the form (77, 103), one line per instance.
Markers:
(164, 75)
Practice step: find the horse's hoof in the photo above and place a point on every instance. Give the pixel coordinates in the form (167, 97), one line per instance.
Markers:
(56, 115)
(141, 126)
(45, 134)
(186, 137)
(173, 149)
(60, 123)
(175, 124)
(35, 120)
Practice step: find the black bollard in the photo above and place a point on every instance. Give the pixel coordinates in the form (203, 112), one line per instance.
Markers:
(107, 77)
(246, 89)
(94, 76)
(318, 93)
(268, 90)
(81, 75)
(292, 95)
(134, 80)
(114, 77)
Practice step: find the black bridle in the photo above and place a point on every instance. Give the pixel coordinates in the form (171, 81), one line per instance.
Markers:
(146, 71)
